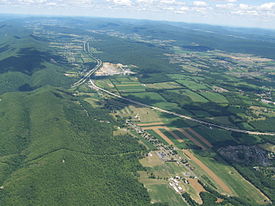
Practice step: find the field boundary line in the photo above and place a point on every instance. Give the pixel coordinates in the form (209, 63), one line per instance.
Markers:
(173, 134)
(191, 138)
(163, 136)
(200, 137)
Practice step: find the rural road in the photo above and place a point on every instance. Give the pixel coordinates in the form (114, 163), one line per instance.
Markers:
(93, 86)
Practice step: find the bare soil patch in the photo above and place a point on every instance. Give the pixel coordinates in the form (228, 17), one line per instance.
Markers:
(156, 130)
(219, 200)
(213, 176)
(191, 138)
(168, 130)
(198, 188)
(200, 137)
(173, 134)
(151, 124)
(196, 185)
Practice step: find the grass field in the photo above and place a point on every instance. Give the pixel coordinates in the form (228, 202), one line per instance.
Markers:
(214, 97)
(235, 181)
(209, 172)
(164, 85)
(162, 193)
(215, 137)
(127, 84)
(194, 96)
(193, 85)
(151, 160)
(128, 88)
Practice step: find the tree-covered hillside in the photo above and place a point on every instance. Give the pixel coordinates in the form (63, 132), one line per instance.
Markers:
(54, 153)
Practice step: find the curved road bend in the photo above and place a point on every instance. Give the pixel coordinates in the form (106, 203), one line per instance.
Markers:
(86, 49)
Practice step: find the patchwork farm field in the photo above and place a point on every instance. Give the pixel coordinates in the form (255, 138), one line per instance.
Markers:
(223, 178)
(110, 112)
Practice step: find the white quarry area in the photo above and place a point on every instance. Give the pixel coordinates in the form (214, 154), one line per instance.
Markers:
(110, 69)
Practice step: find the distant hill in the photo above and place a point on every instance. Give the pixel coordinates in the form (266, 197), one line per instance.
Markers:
(25, 62)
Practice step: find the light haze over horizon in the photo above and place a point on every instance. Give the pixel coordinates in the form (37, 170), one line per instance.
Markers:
(238, 13)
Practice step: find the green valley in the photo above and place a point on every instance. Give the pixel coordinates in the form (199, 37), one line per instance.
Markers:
(113, 112)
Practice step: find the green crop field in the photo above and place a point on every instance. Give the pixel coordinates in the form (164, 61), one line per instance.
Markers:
(192, 95)
(146, 97)
(65, 141)
(234, 180)
(162, 193)
(214, 97)
(191, 84)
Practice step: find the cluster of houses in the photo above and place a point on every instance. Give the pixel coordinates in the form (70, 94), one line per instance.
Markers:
(165, 152)
(175, 184)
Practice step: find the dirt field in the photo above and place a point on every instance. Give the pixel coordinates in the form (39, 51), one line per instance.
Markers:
(196, 185)
(200, 137)
(219, 200)
(168, 130)
(156, 130)
(151, 124)
(163, 136)
(198, 188)
(173, 134)
(213, 176)
(191, 138)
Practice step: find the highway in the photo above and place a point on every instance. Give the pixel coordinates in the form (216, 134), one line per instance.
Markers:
(83, 79)
(93, 86)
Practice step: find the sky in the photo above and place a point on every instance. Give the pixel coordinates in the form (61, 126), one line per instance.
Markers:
(240, 13)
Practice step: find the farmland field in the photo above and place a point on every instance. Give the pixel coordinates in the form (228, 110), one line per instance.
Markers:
(183, 115)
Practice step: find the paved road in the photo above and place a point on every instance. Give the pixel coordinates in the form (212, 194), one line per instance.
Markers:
(86, 49)
(93, 86)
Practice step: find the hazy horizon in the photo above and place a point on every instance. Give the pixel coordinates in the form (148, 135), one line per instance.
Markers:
(234, 13)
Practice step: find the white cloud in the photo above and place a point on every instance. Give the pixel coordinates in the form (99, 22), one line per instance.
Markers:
(32, 1)
(244, 6)
(199, 3)
(145, 1)
(181, 10)
(121, 2)
(191, 9)
(167, 1)
(268, 6)
(229, 1)
(225, 6)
